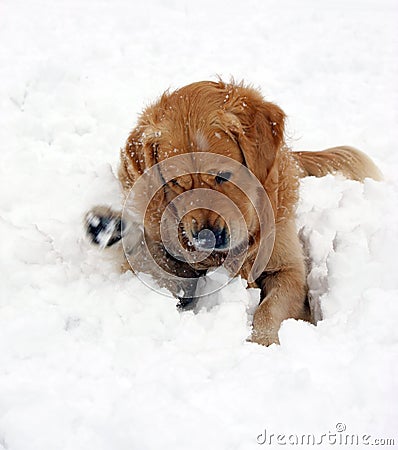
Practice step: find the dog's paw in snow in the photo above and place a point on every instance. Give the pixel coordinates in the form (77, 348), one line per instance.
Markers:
(103, 226)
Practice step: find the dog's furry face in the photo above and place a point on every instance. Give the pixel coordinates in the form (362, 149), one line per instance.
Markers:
(212, 204)
(205, 120)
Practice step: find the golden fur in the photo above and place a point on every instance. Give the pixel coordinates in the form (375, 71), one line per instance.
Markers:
(234, 120)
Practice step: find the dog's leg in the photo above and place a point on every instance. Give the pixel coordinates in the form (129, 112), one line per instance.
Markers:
(283, 288)
(284, 297)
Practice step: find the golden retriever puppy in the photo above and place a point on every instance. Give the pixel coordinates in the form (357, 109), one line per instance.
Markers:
(208, 134)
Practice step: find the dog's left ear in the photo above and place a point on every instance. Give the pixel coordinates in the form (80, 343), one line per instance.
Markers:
(258, 127)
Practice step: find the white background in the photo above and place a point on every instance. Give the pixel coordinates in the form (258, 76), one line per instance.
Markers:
(92, 359)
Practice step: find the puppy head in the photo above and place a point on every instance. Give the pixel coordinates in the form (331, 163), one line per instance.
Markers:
(211, 118)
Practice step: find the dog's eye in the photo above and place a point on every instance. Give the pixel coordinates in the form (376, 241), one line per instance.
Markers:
(221, 177)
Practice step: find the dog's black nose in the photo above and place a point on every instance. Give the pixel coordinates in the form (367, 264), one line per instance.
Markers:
(210, 238)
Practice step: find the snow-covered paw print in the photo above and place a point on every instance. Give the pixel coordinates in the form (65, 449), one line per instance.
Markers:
(103, 226)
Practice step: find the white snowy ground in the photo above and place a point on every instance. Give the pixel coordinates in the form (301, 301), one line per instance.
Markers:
(93, 360)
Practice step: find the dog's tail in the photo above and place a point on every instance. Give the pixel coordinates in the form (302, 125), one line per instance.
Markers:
(348, 161)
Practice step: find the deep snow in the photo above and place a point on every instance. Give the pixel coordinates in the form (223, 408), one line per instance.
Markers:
(92, 359)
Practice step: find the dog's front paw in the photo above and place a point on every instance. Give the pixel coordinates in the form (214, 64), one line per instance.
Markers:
(265, 326)
(264, 338)
(103, 226)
